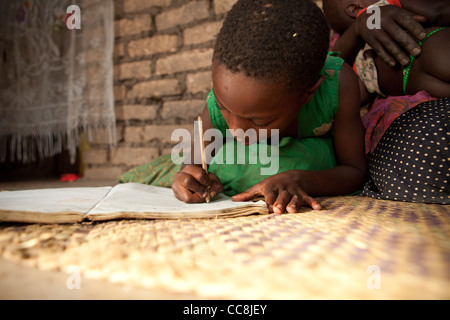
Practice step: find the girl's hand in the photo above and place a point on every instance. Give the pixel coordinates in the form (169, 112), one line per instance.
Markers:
(192, 184)
(282, 193)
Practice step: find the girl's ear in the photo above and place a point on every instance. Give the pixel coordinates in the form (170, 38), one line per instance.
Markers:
(310, 92)
(352, 9)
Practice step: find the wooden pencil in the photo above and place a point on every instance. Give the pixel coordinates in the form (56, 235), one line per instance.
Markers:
(202, 150)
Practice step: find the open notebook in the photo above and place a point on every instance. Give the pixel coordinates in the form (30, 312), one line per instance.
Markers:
(123, 201)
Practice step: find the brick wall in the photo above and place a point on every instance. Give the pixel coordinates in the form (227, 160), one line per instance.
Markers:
(162, 74)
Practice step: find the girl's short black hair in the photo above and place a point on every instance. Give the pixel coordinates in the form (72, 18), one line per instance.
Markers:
(279, 40)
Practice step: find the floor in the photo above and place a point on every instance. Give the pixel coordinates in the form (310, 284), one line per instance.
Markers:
(356, 248)
(26, 283)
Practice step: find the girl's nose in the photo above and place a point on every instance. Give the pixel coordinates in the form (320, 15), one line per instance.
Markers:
(238, 124)
(242, 130)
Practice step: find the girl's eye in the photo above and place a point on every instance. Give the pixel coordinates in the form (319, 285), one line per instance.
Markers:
(220, 107)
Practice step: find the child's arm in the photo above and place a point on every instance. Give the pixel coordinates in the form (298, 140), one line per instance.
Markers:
(290, 190)
(349, 44)
(191, 183)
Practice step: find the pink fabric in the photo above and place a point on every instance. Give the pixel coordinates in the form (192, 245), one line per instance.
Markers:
(384, 111)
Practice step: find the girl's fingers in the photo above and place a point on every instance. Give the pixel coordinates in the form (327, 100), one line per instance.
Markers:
(294, 205)
(246, 195)
(279, 200)
(312, 203)
(215, 186)
(270, 197)
(190, 183)
(185, 195)
(298, 200)
(282, 200)
(198, 173)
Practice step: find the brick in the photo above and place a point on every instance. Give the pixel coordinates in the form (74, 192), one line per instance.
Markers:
(155, 88)
(119, 92)
(163, 133)
(140, 5)
(134, 70)
(184, 61)
(95, 156)
(118, 8)
(199, 82)
(187, 110)
(134, 134)
(153, 45)
(137, 112)
(119, 50)
(133, 156)
(202, 33)
(223, 6)
(103, 173)
(193, 11)
(136, 25)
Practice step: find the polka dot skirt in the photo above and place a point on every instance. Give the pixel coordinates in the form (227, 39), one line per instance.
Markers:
(411, 162)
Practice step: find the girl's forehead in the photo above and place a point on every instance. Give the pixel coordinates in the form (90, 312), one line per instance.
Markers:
(248, 96)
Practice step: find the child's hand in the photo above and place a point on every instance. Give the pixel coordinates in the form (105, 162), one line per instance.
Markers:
(281, 192)
(192, 184)
(397, 27)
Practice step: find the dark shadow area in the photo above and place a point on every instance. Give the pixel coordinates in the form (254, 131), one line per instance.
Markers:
(46, 168)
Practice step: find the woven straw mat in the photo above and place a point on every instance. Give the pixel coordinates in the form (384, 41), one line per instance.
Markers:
(356, 248)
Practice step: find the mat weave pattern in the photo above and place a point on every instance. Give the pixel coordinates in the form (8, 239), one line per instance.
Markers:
(356, 248)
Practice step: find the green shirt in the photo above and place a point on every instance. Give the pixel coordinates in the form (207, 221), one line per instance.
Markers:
(312, 149)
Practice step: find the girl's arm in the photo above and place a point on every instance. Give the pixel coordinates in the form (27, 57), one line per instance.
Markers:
(350, 173)
(349, 44)
(290, 190)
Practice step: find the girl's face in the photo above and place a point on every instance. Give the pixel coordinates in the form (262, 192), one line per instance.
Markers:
(249, 103)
